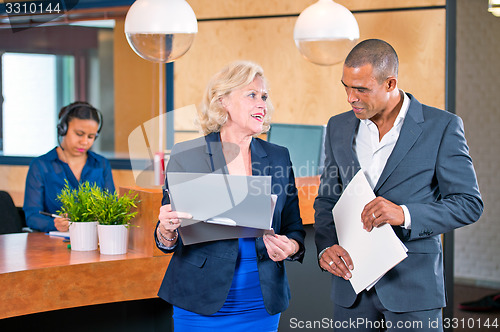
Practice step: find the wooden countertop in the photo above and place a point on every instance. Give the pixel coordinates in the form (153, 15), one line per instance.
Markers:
(39, 273)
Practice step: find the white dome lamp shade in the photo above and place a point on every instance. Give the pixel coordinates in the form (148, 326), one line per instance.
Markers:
(160, 30)
(494, 7)
(325, 32)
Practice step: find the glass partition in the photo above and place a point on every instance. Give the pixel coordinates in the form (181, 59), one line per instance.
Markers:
(45, 68)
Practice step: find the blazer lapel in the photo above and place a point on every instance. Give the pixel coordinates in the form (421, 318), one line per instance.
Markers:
(260, 161)
(410, 131)
(352, 127)
(215, 157)
(346, 158)
(217, 163)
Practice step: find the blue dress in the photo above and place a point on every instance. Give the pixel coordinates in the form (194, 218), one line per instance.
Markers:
(244, 307)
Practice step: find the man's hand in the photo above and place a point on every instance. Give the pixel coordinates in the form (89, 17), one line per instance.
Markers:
(337, 261)
(381, 211)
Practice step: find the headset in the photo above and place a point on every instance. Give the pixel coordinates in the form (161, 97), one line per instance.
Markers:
(62, 125)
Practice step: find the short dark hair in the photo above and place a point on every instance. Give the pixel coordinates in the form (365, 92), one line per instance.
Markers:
(378, 53)
(80, 110)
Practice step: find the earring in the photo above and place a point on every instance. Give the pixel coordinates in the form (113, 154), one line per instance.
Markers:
(222, 103)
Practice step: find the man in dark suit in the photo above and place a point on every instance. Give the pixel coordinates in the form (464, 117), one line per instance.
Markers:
(416, 160)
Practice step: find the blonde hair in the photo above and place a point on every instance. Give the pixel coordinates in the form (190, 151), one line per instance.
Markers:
(212, 115)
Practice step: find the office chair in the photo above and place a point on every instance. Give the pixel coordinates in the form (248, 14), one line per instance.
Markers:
(10, 219)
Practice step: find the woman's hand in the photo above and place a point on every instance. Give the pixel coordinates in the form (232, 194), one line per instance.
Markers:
(169, 222)
(279, 247)
(62, 224)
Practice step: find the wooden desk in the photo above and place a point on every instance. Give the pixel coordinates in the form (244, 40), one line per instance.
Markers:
(39, 273)
(141, 234)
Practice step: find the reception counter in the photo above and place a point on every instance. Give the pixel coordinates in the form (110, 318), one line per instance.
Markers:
(39, 273)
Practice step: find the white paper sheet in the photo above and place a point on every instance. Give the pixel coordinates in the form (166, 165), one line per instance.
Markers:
(59, 234)
(373, 253)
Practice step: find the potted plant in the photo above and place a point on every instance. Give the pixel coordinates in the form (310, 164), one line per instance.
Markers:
(76, 204)
(113, 212)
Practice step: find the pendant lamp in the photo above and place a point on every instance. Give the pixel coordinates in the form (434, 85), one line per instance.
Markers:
(494, 7)
(325, 32)
(160, 30)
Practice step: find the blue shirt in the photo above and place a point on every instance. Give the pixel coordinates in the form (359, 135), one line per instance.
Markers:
(46, 178)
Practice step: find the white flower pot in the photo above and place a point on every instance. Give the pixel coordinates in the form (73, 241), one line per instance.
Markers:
(113, 239)
(83, 235)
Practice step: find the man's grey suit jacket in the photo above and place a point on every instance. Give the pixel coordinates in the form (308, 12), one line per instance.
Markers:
(430, 171)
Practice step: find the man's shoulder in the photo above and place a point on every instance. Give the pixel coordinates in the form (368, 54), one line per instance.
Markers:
(342, 118)
(439, 119)
(430, 112)
(342, 121)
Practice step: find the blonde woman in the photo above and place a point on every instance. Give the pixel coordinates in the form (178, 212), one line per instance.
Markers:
(233, 284)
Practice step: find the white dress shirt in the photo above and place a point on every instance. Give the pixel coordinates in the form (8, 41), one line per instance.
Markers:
(373, 153)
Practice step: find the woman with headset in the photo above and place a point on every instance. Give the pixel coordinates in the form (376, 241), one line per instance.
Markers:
(71, 161)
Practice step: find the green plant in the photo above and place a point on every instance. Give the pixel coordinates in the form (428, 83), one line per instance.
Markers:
(92, 203)
(112, 209)
(77, 203)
